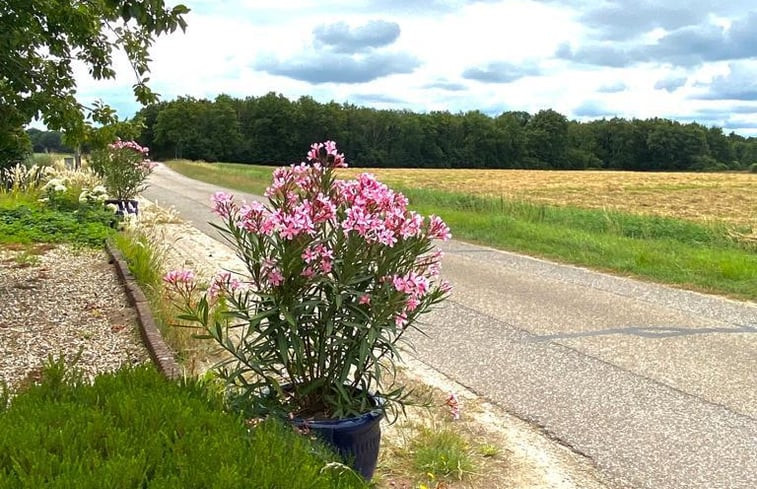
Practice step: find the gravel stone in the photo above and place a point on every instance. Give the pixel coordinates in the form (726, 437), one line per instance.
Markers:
(63, 302)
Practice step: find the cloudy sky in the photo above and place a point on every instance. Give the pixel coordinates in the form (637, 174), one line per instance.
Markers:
(681, 59)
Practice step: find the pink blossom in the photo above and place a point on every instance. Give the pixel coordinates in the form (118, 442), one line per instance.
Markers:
(275, 277)
(365, 299)
(412, 303)
(323, 209)
(133, 145)
(324, 251)
(271, 272)
(411, 226)
(411, 283)
(222, 203)
(327, 153)
(386, 237)
(437, 229)
(309, 254)
(399, 283)
(454, 406)
(175, 277)
(308, 272)
(223, 283)
(251, 217)
(400, 319)
(445, 286)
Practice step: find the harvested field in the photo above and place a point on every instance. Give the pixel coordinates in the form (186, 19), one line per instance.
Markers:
(723, 197)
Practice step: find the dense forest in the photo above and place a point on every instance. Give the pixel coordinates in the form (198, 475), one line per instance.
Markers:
(272, 129)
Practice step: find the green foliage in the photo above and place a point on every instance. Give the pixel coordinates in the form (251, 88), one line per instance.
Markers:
(134, 428)
(15, 146)
(753, 168)
(143, 260)
(255, 178)
(272, 130)
(442, 453)
(47, 141)
(40, 39)
(32, 223)
(42, 159)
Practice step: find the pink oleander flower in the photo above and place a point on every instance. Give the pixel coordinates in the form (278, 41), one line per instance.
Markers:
(326, 153)
(400, 319)
(223, 283)
(175, 277)
(223, 203)
(454, 406)
(438, 229)
(445, 287)
(365, 299)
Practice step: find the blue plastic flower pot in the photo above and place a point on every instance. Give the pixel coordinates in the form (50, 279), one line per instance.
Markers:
(356, 439)
(124, 207)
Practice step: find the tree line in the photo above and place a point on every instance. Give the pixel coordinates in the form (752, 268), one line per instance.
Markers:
(272, 129)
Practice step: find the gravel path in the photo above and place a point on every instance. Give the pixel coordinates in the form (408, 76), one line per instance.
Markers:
(56, 300)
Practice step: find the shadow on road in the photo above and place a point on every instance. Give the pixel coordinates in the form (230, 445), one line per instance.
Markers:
(646, 332)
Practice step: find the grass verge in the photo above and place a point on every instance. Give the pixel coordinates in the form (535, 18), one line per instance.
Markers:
(134, 428)
(145, 256)
(661, 249)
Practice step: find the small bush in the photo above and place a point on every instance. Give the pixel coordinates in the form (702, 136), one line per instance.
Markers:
(753, 168)
(134, 428)
(26, 223)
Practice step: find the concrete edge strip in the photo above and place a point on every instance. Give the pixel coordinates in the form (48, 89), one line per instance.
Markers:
(160, 354)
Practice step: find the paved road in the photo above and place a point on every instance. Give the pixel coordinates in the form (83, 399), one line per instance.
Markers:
(657, 386)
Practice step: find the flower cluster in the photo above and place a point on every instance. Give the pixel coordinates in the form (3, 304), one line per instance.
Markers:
(124, 166)
(95, 195)
(181, 281)
(133, 145)
(336, 272)
(55, 185)
(222, 284)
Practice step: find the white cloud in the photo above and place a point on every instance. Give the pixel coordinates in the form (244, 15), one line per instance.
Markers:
(423, 49)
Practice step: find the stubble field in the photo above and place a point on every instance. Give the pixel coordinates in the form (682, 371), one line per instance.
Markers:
(706, 197)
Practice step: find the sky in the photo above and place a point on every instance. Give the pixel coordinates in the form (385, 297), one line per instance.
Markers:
(688, 60)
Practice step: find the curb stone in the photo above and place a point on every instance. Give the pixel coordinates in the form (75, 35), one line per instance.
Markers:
(160, 354)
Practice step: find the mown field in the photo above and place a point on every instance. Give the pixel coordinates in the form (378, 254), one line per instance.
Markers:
(713, 197)
(693, 230)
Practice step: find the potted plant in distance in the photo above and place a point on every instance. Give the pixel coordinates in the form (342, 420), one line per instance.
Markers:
(123, 166)
(337, 271)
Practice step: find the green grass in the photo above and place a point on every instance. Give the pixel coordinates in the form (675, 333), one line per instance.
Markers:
(134, 428)
(442, 453)
(247, 178)
(145, 261)
(660, 249)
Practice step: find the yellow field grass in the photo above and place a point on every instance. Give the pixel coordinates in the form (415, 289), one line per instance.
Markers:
(724, 197)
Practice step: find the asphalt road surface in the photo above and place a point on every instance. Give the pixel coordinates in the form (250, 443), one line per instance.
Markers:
(657, 386)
